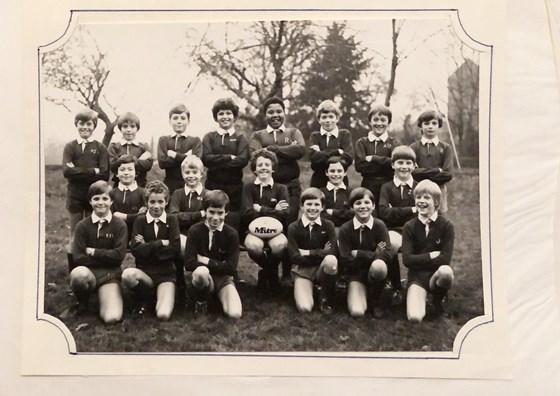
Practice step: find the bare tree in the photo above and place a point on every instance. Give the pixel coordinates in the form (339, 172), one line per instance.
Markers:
(257, 62)
(78, 71)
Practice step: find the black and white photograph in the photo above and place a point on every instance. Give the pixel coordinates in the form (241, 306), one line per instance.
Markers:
(266, 185)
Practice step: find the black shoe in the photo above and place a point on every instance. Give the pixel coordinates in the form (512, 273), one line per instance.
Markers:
(378, 312)
(397, 297)
(201, 308)
(325, 308)
(140, 310)
(440, 304)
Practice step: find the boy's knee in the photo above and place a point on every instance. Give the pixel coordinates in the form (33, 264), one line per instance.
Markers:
(415, 317)
(304, 306)
(356, 311)
(79, 278)
(164, 314)
(201, 277)
(378, 270)
(233, 312)
(128, 279)
(330, 265)
(445, 277)
(111, 316)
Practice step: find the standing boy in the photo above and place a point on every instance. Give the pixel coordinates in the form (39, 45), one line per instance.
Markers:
(129, 125)
(174, 148)
(155, 244)
(337, 207)
(212, 253)
(396, 207)
(225, 153)
(328, 142)
(84, 161)
(100, 244)
(312, 249)
(364, 251)
(289, 147)
(373, 152)
(434, 157)
(128, 197)
(427, 248)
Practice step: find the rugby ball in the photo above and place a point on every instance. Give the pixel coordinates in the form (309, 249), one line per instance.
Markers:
(265, 227)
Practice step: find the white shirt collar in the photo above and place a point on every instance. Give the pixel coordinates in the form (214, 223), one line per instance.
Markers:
(88, 140)
(95, 218)
(197, 189)
(433, 218)
(162, 218)
(306, 221)
(425, 141)
(358, 224)
(408, 182)
(230, 131)
(220, 227)
(371, 136)
(134, 142)
(334, 132)
(269, 129)
(173, 135)
(331, 186)
(133, 186)
(269, 183)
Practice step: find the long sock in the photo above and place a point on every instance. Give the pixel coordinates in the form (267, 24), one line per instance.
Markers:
(375, 289)
(394, 273)
(71, 264)
(327, 285)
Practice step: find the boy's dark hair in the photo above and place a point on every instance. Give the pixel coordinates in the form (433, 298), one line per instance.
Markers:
(85, 115)
(129, 118)
(359, 193)
(273, 100)
(215, 199)
(97, 188)
(328, 106)
(127, 159)
(156, 187)
(337, 160)
(312, 193)
(225, 104)
(429, 187)
(381, 109)
(428, 116)
(403, 152)
(265, 154)
(178, 109)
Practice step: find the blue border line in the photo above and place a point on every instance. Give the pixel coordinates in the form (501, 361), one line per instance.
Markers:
(148, 354)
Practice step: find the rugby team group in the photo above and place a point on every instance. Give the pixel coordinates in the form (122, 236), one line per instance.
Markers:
(199, 217)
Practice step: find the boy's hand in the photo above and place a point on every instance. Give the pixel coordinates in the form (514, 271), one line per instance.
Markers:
(315, 147)
(139, 239)
(257, 207)
(142, 210)
(329, 211)
(145, 155)
(434, 254)
(354, 253)
(340, 151)
(70, 165)
(165, 242)
(369, 158)
(90, 251)
(202, 259)
(273, 148)
(96, 170)
(381, 246)
(232, 157)
(414, 209)
(120, 215)
(304, 252)
(171, 153)
(281, 205)
(328, 245)
(203, 213)
(189, 153)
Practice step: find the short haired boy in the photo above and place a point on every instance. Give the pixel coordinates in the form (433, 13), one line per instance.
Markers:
(84, 161)
(212, 254)
(373, 152)
(265, 197)
(337, 208)
(129, 125)
(312, 249)
(155, 244)
(396, 207)
(328, 142)
(434, 157)
(225, 153)
(174, 148)
(364, 252)
(128, 197)
(427, 249)
(289, 146)
(100, 244)
(186, 204)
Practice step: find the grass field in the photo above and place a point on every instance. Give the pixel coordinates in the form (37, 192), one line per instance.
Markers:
(274, 324)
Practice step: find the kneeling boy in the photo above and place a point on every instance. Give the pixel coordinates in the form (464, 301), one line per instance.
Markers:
(155, 245)
(312, 249)
(212, 253)
(99, 248)
(427, 249)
